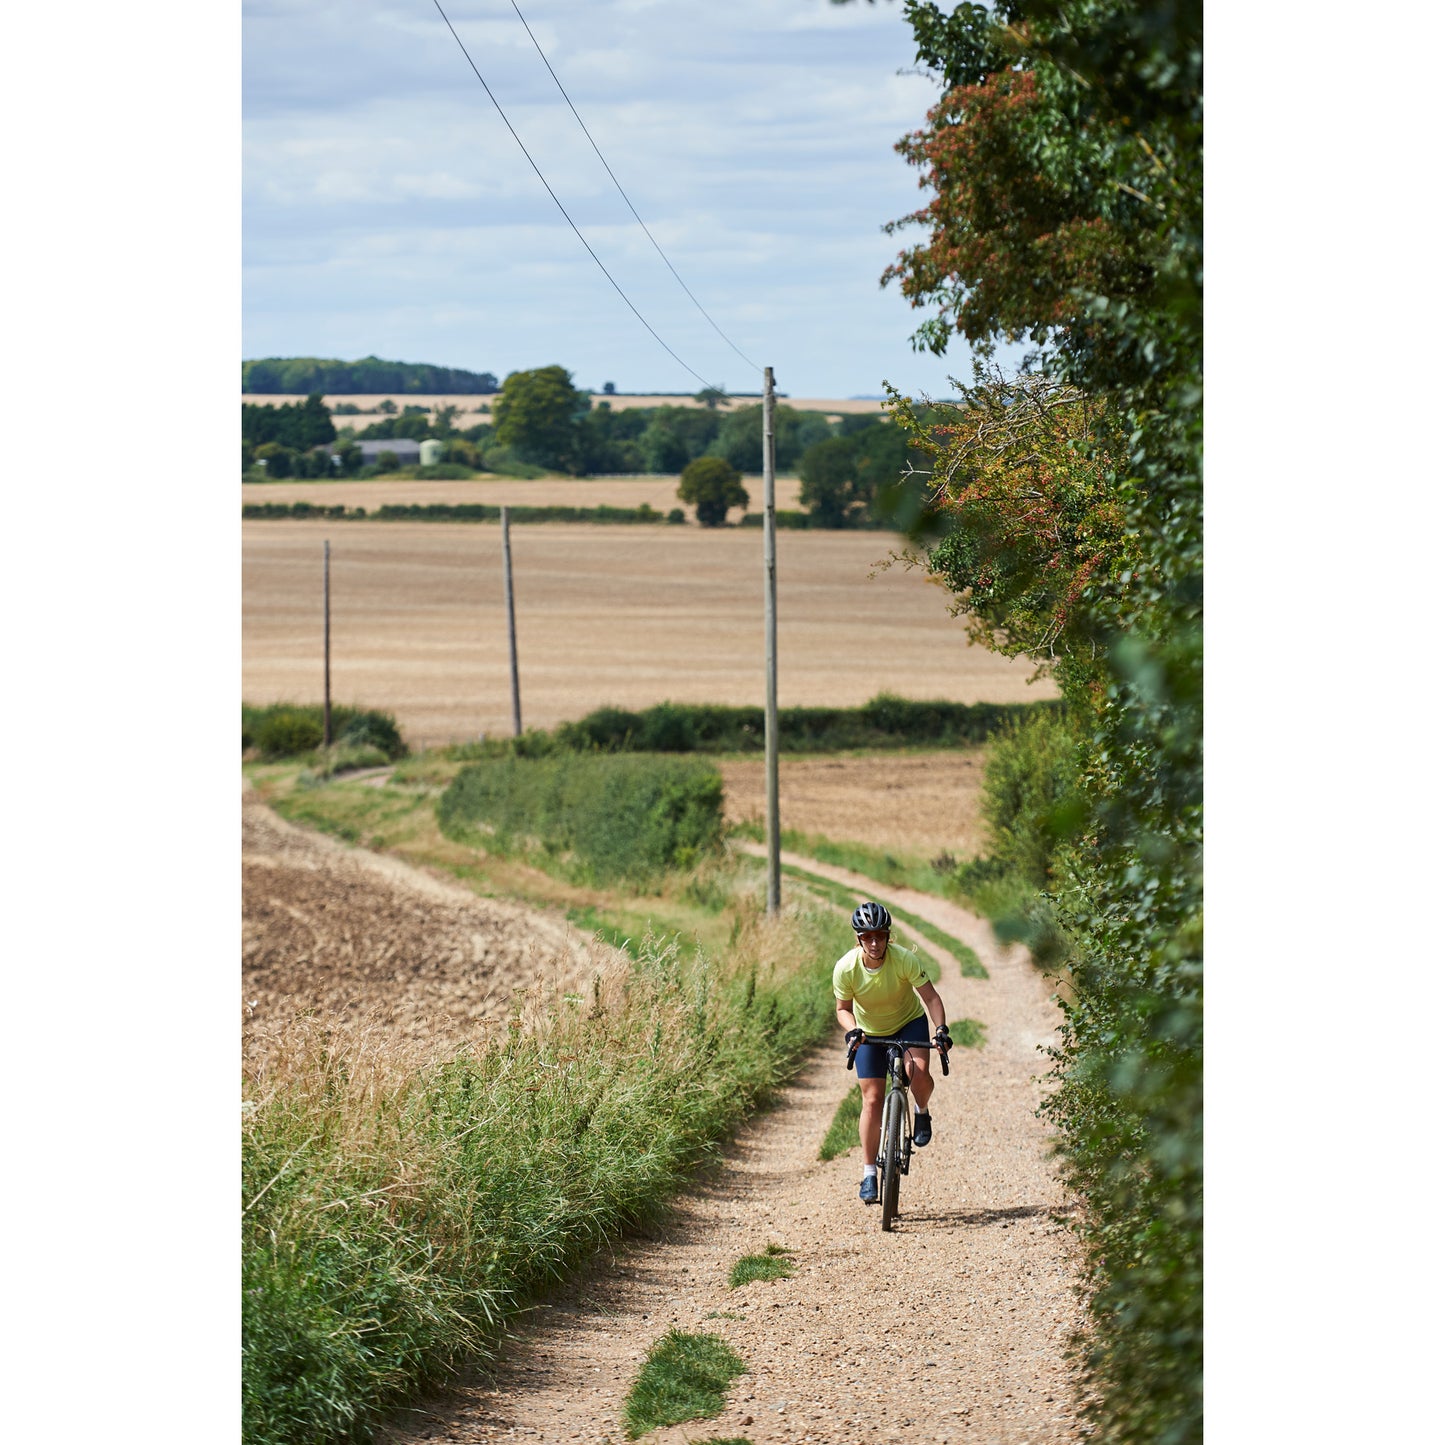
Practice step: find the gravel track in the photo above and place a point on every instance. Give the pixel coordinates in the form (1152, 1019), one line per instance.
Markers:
(952, 1328)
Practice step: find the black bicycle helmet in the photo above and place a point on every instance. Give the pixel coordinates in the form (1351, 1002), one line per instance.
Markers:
(868, 917)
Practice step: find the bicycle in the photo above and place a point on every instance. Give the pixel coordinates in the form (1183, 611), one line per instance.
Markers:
(895, 1139)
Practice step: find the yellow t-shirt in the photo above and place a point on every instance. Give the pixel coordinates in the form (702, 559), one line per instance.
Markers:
(883, 998)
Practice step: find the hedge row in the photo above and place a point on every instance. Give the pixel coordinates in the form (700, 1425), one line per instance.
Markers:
(285, 729)
(595, 818)
(885, 722)
(790, 521)
(482, 512)
(460, 512)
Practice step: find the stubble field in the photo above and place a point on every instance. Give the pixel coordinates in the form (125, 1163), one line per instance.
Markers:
(628, 616)
(659, 492)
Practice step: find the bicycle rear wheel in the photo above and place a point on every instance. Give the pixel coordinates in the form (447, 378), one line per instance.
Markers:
(894, 1110)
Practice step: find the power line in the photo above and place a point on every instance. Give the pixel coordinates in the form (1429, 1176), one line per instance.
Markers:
(563, 208)
(624, 194)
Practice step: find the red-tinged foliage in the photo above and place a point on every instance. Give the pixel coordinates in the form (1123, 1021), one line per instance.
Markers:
(1010, 247)
(1028, 475)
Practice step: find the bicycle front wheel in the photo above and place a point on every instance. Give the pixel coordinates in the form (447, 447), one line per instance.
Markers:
(894, 1110)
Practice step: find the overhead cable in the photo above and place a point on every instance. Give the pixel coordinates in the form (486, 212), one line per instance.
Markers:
(563, 208)
(624, 194)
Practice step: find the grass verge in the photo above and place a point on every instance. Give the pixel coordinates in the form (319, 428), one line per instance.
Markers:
(685, 1377)
(699, 908)
(402, 1200)
(842, 1133)
(772, 1263)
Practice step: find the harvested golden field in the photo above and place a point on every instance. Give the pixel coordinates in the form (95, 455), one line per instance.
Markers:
(477, 407)
(659, 493)
(904, 802)
(624, 615)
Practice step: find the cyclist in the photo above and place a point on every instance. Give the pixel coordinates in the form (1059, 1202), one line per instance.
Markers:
(884, 989)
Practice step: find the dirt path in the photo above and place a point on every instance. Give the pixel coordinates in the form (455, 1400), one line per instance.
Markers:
(975, 1283)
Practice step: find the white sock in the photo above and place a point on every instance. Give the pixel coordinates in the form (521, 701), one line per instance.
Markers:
(870, 1171)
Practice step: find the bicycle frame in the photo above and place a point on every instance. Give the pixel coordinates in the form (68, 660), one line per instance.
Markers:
(895, 1138)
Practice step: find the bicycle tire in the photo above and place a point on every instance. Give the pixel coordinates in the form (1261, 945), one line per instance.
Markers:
(892, 1151)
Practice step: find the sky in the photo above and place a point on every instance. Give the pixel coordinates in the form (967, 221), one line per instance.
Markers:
(387, 211)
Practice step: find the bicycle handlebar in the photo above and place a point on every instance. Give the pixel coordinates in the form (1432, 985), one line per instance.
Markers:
(899, 1044)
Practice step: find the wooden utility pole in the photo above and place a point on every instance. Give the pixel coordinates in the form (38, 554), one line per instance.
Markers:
(326, 643)
(770, 630)
(511, 621)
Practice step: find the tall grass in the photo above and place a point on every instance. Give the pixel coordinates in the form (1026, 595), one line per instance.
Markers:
(401, 1203)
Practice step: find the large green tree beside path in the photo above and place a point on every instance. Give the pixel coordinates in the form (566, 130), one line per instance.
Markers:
(1063, 171)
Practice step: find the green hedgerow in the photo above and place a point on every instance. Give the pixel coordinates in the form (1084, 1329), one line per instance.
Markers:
(598, 818)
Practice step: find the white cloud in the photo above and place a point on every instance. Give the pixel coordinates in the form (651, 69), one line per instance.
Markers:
(386, 205)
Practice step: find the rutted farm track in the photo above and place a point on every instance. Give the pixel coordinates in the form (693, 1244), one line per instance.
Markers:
(953, 1328)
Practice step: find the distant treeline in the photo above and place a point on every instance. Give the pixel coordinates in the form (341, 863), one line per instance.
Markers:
(300, 375)
(855, 471)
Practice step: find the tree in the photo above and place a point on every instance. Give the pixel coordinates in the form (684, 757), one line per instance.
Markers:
(298, 425)
(1064, 161)
(846, 477)
(712, 486)
(676, 435)
(711, 397)
(830, 491)
(740, 437)
(537, 416)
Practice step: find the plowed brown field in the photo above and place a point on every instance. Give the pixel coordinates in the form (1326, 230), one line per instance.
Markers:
(629, 616)
(341, 930)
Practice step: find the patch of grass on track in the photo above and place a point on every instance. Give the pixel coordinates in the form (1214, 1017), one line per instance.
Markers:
(969, 963)
(842, 1133)
(772, 1263)
(685, 1377)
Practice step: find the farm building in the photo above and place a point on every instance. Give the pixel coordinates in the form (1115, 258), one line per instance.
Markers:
(406, 451)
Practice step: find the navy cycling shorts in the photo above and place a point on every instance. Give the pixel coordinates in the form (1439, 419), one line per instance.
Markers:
(871, 1060)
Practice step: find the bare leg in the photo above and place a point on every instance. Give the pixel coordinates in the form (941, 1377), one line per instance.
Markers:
(919, 1079)
(870, 1121)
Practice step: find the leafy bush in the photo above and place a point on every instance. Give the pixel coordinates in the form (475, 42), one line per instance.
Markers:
(593, 817)
(286, 731)
(1031, 799)
(289, 729)
(370, 729)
